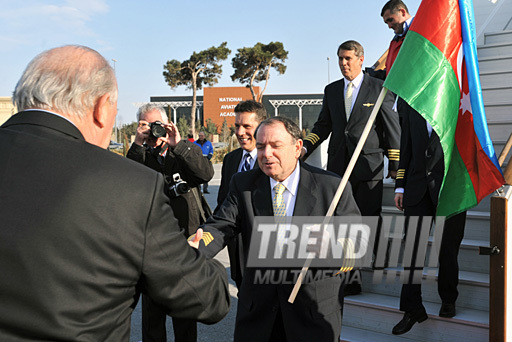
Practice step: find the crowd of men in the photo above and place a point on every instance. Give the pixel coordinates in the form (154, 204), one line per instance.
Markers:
(86, 232)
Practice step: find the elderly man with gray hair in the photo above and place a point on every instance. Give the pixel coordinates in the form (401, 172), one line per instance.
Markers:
(158, 145)
(85, 231)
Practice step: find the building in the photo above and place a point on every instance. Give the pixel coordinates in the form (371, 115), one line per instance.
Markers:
(7, 109)
(218, 104)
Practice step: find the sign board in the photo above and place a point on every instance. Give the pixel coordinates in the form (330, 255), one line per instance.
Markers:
(219, 103)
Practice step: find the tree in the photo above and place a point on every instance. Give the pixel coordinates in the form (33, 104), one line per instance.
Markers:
(211, 127)
(224, 131)
(253, 64)
(183, 127)
(202, 68)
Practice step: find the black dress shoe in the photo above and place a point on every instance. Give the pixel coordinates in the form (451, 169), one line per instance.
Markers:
(410, 318)
(447, 310)
(351, 289)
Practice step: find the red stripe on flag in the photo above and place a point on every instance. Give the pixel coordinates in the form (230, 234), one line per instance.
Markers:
(439, 22)
(483, 173)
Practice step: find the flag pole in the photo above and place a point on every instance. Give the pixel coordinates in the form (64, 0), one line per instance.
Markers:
(343, 184)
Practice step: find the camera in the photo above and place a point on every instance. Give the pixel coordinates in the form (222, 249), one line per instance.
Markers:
(157, 130)
(179, 187)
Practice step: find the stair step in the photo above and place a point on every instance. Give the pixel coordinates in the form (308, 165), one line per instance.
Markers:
(495, 50)
(351, 334)
(379, 313)
(498, 37)
(500, 130)
(498, 111)
(495, 63)
(497, 95)
(496, 79)
(473, 287)
(477, 221)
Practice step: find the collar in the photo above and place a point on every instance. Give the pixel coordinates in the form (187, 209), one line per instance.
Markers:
(406, 24)
(291, 183)
(253, 153)
(46, 119)
(53, 113)
(356, 81)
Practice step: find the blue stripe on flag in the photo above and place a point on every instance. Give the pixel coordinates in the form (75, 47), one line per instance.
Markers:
(467, 18)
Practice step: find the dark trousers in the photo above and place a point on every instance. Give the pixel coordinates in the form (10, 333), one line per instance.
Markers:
(368, 197)
(153, 324)
(448, 276)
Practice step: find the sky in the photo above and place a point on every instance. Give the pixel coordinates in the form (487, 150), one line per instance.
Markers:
(141, 36)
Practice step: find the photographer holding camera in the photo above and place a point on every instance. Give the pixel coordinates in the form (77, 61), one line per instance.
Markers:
(158, 145)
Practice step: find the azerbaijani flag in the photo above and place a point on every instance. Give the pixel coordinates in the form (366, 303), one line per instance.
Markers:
(436, 73)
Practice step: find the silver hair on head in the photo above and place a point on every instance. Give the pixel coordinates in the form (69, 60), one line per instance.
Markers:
(148, 107)
(69, 79)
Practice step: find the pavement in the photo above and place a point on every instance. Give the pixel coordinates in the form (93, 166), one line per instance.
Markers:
(222, 331)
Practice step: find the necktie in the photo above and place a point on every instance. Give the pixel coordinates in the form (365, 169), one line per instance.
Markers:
(278, 200)
(247, 163)
(348, 99)
(279, 214)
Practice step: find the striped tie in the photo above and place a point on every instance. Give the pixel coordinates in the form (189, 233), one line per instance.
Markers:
(247, 163)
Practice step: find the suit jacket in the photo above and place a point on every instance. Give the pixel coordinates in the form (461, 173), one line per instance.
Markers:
(187, 160)
(384, 137)
(84, 231)
(316, 313)
(229, 168)
(421, 167)
(235, 247)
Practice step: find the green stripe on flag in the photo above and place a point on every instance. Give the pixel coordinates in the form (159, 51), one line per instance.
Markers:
(425, 79)
(457, 193)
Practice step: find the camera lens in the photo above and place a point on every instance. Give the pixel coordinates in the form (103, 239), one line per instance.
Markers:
(182, 188)
(157, 130)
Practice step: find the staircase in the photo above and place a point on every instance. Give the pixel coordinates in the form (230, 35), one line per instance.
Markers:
(371, 315)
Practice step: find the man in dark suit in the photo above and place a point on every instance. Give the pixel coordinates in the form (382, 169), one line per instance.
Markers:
(175, 158)
(248, 115)
(85, 231)
(346, 107)
(263, 311)
(418, 184)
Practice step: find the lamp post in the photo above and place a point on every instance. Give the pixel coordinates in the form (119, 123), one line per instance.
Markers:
(328, 72)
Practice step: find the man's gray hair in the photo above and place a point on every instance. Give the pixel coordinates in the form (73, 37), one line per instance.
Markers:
(69, 81)
(148, 107)
(352, 45)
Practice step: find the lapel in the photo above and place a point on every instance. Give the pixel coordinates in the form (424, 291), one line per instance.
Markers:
(233, 167)
(421, 125)
(261, 196)
(47, 120)
(340, 101)
(306, 194)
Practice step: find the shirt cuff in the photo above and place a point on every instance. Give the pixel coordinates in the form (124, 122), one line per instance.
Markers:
(399, 190)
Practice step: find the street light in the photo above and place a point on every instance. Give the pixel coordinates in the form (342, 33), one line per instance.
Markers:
(114, 60)
(328, 73)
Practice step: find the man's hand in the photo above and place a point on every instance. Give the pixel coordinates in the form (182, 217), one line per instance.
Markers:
(195, 241)
(142, 133)
(399, 201)
(391, 174)
(173, 134)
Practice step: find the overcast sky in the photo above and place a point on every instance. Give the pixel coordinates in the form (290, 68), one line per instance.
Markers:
(142, 35)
